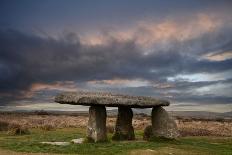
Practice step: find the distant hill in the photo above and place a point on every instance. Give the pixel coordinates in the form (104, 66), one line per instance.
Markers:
(227, 114)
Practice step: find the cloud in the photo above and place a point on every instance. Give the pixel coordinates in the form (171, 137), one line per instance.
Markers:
(31, 63)
(219, 56)
(160, 34)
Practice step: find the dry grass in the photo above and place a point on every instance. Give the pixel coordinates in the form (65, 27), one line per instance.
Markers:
(187, 127)
(47, 127)
(16, 129)
(205, 127)
(3, 125)
(43, 121)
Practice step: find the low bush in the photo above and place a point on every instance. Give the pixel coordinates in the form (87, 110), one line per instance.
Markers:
(195, 132)
(47, 127)
(3, 126)
(16, 129)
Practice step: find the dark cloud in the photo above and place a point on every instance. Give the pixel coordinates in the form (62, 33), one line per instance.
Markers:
(204, 99)
(29, 58)
(178, 92)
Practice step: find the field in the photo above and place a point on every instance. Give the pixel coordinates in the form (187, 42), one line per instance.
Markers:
(198, 136)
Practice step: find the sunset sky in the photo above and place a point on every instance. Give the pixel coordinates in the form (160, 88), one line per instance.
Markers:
(179, 50)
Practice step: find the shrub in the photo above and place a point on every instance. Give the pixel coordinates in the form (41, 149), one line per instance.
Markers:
(3, 126)
(16, 129)
(195, 132)
(47, 127)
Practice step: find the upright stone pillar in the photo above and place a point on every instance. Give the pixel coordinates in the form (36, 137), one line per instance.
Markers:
(124, 129)
(96, 129)
(162, 124)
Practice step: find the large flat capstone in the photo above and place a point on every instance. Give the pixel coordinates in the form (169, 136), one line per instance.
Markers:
(108, 99)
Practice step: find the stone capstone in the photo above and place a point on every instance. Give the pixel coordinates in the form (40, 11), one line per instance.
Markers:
(108, 99)
(124, 129)
(96, 128)
(162, 124)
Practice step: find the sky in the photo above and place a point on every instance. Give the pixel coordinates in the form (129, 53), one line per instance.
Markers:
(177, 50)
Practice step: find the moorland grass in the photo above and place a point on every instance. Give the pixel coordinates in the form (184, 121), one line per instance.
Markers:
(186, 145)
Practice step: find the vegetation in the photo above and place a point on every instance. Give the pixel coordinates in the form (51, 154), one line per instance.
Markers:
(3, 125)
(16, 129)
(186, 145)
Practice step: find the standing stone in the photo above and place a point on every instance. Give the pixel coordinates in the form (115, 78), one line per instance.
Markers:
(162, 124)
(96, 129)
(147, 134)
(124, 129)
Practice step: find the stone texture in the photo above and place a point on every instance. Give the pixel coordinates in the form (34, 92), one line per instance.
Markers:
(124, 129)
(147, 134)
(96, 129)
(162, 124)
(108, 99)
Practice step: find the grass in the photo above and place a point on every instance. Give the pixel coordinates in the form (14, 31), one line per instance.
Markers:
(186, 145)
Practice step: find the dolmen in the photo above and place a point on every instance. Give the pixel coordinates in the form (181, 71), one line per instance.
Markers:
(162, 124)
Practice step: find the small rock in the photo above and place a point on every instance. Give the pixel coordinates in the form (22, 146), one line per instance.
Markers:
(78, 141)
(56, 143)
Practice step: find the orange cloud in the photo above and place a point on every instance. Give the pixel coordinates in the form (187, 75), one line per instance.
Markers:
(218, 56)
(120, 82)
(149, 34)
(36, 87)
(110, 82)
